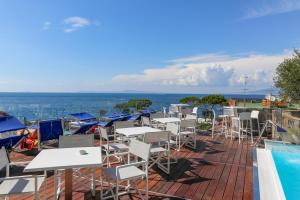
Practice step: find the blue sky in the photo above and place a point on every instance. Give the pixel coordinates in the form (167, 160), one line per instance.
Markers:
(156, 46)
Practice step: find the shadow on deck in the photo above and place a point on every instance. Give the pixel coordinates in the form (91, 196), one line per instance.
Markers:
(218, 169)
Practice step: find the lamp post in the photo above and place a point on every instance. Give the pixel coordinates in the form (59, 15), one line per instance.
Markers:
(245, 89)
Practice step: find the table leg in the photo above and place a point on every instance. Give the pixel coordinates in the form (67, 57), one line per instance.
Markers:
(68, 184)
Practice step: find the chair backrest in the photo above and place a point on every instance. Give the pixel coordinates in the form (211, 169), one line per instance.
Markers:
(254, 114)
(245, 116)
(139, 149)
(228, 111)
(156, 115)
(188, 123)
(194, 117)
(155, 137)
(76, 141)
(186, 111)
(195, 110)
(173, 128)
(145, 121)
(123, 124)
(103, 133)
(173, 109)
(50, 129)
(235, 124)
(3, 158)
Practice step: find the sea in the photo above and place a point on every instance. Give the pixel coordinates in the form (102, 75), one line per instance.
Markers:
(43, 106)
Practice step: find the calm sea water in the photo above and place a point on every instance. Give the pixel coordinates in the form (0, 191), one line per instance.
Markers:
(52, 105)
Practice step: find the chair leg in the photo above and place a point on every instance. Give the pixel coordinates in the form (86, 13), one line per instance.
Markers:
(251, 131)
(146, 192)
(117, 190)
(213, 129)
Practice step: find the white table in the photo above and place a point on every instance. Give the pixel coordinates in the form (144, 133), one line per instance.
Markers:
(167, 120)
(66, 159)
(180, 105)
(136, 131)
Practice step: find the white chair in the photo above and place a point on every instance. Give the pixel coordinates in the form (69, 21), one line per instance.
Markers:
(195, 111)
(16, 185)
(76, 141)
(154, 123)
(189, 116)
(188, 132)
(128, 172)
(145, 121)
(228, 113)
(241, 126)
(255, 116)
(160, 149)
(121, 124)
(173, 111)
(185, 134)
(165, 111)
(156, 115)
(184, 112)
(110, 147)
(72, 141)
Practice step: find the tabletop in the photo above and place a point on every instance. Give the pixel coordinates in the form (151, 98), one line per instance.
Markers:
(65, 158)
(135, 131)
(180, 105)
(167, 120)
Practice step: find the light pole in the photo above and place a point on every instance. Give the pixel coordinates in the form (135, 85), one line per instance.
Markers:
(245, 89)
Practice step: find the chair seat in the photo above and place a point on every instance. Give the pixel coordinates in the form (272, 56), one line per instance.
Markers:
(223, 116)
(186, 132)
(157, 150)
(116, 147)
(20, 185)
(125, 173)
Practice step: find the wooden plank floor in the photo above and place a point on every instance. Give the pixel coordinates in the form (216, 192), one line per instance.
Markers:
(219, 169)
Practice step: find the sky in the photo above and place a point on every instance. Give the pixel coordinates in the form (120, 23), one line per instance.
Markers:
(168, 46)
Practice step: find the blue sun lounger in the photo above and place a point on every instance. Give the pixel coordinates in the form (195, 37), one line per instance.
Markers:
(111, 118)
(8, 124)
(84, 116)
(84, 128)
(49, 130)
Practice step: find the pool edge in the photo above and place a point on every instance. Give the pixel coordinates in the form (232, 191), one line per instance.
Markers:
(256, 193)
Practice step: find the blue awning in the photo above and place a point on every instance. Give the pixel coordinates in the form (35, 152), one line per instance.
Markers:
(10, 123)
(84, 116)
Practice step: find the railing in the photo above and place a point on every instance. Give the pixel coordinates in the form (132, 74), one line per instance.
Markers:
(290, 121)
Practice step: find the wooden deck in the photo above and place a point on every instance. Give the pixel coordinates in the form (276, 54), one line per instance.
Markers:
(219, 169)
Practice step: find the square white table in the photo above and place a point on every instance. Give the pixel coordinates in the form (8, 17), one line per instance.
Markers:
(66, 159)
(136, 131)
(167, 120)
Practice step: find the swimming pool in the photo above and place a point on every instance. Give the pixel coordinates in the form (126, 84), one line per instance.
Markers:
(287, 161)
(278, 171)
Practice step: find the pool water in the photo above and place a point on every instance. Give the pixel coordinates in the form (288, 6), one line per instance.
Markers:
(288, 168)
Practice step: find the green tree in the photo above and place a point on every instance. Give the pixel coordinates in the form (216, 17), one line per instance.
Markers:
(139, 104)
(287, 78)
(122, 107)
(212, 100)
(133, 104)
(192, 100)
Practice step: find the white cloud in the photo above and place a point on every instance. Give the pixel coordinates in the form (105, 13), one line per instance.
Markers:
(46, 25)
(272, 7)
(222, 72)
(75, 23)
